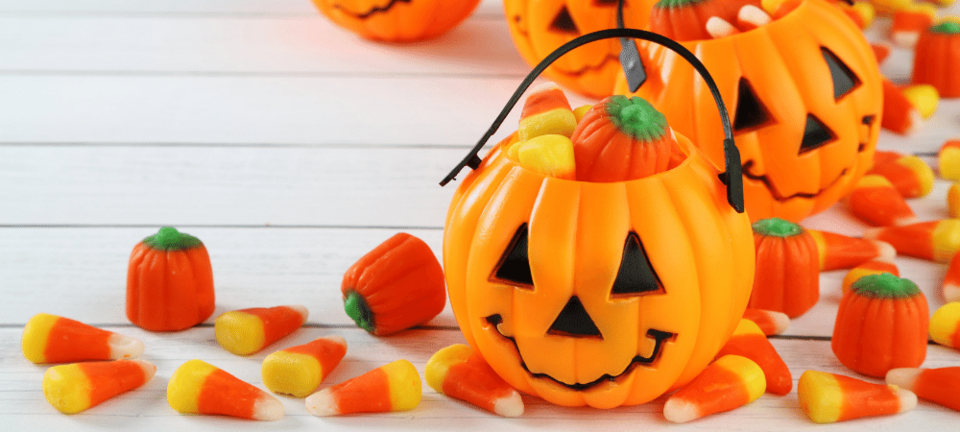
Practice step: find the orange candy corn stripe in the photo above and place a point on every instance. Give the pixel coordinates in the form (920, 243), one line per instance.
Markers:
(909, 23)
(459, 372)
(875, 201)
(828, 398)
(877, 266)
(728, 383)
(953, 200)
(53, 339)
(247, 331)
(197, 387)
(838, 251)
(951, 283)
(75, 387)
(392, 387)
(910, 175)
(934, 240)
(770, 322)
(750, 342)
(299, 370)
(941, 386)
(899, 115)
(546, 111)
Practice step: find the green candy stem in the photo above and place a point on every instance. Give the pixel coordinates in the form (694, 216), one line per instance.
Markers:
(168, 238)
(636, 118)
(884, 285)
(776, 227)
(946, 27)
(358, 310)
(673, 4)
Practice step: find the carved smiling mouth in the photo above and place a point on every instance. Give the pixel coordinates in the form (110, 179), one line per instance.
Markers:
(658, 336)
(776, 194)
(373, 11)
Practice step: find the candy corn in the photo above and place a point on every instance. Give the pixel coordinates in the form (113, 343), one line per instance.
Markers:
(828, 398)
(910, 175)
(945, 325)
(728, 383)
(459, 372)
(749, 341)
(247, 331)
(899, 115)
(924, 97)
(75, 387)
(875, 201)
(53, 339)
(953, 201)
(299, 370)
(550, 155)
(948, 160)
(546, 111)
(934, 240)
(197, 387)
(951, 283)
(941, 386)
(838, 251)
(883, 156)
(770, 322)
(580, 111)
(391, 387)
(877, 266)
(880, 51)
(909, 22)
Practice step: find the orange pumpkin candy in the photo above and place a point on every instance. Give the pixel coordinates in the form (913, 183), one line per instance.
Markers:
(788, 268)
(806, 102)
(169, 282)
(685, 20)
(397, 20)
(937, 59)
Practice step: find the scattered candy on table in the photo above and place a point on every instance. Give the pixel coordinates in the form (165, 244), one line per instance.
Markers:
(75, 387)
(877, 266)
(197, 387)
(945, 325)
(881, 324)
(877, 202)
(299, 370)
(899, 114)
(391, 387)
(247, 331)
(54, 339)
(750, 342)
(828, 398)
(788, 268)
(460, 373)
(838, 251)
(923, 97)
(909, 175)
(941, 386)
(395, 286)
(546, 111)
(934, 240)
(769, 322)
(728, 383)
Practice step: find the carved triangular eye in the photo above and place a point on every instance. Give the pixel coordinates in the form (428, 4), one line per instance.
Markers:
(563, 22)
(750, 110)
(636, 276)
(844, 80)
(574, 321)
(514, 266)
(815, 134)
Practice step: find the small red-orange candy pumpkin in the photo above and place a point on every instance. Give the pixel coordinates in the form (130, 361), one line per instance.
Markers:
(397, 20)
(937, 59)
(686, 20)
(169, 282)
(881, 325)
(788, 268)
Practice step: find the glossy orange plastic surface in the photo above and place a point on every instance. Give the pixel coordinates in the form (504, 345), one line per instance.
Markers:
(397, 21)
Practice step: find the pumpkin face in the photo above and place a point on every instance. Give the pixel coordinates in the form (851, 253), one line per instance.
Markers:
(596, 293)
(538, 27)
(397, 20)
(805, 100)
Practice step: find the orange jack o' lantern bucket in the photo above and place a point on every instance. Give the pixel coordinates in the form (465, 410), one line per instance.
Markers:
(535, 264)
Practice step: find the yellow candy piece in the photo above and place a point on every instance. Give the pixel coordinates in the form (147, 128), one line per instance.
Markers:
(923, 97)
(546, 111)
(948, 159)
(866, 11)
(771, 6)
(580, 111)
(944, 323)
(953, 200)
(299, 370)
(888, 7)
(75, 387)
(550, 155)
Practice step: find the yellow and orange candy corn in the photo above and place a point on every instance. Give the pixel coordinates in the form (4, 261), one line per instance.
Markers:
(545, 112)
(579, 111)
(75, 387)
(934, 240)
(770, 322)
(948, 160)
(953, 200)
(875, 201)
(909, 22)
(728, 383)
(54, 339)
(247, 331)
(828, 398)
(945, 325)
(458, 372)
(299, 370)
(924, 97)
(899, 114)
(877, 266)
(910, 175)
(197, 387)
(941, 386)
(838, 251)
(951, 283)
(391, 387)
(750, 342)
(550, 155)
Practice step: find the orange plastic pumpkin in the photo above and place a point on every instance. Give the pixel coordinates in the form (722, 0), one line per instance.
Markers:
(937, 59)
(540, 26)
(169, 282)
(806, 102)
(397, 20)
(788, 268)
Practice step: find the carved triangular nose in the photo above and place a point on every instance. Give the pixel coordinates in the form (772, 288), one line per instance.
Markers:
(574, 321)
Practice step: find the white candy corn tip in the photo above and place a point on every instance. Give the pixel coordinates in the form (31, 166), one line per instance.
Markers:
(719, 28)
(885, 251)
(322, 404)
(951, 292)
(149, 370)
(908, 400)
(124, 347)
(780, 320)
(680, 411)
(336, 339)
(510, 406)
(904, 378)
(544, 87)
(909, 220)
(754, 15)
(268, 408)
(905, 39)
(302, 310)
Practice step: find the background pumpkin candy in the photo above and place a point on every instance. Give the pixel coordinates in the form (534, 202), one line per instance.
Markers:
(804, 141)
(397, 20)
